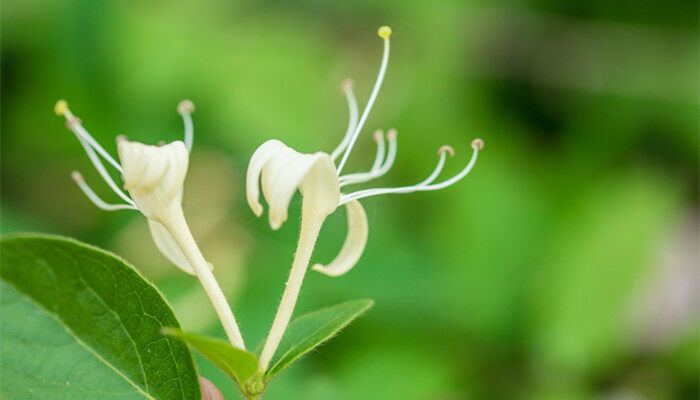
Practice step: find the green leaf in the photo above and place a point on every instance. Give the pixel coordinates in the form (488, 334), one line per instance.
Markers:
(312, 329)
(80, 323)
(238, 364)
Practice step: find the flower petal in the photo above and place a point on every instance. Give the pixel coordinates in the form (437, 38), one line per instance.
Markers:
(262, 155)
(154, 175)
(354, 243)
(167, 245)
(281, 171)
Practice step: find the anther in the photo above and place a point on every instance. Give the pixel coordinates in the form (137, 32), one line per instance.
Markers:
(477, 144)
(384, 32)
(72, 122)
(185, 106)
(347, 84)
(378, 136)
(448, 149)
(77, 177)
(60, 107)
(391, 135)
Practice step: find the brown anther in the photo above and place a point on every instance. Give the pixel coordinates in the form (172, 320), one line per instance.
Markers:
(72, 122)
(185, 106)
(77, 177)
(448, 149)
(347, 84)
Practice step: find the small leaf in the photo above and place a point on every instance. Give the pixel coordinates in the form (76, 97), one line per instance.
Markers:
(238, 364)
(312, 329)
(80, 323)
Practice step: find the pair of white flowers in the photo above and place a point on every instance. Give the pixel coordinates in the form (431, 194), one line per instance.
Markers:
(154, 176)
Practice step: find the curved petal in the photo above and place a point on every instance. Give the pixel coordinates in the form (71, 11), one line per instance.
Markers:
(167, 245)
(280, 171)
(354, 243)
(262, 155)
(153, 175)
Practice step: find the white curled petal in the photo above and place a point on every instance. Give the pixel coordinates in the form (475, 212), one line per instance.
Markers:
(280, 171)
(354, 243)
(260, 158)
(167, 245)
(154, 175)
(313, 174)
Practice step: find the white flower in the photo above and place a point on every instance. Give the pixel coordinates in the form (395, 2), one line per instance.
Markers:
(280, 170)
(152, 175)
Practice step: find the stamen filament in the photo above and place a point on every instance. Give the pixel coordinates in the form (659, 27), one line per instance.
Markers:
(352, 119)
(73, 123)
(186, 108)
(96, 200)
(441, 163)
(378, 160)
(376, 173)
(102, 170)
(476, 145)
(384, 33)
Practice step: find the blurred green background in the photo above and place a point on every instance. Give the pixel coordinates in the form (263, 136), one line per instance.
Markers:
(563, 267)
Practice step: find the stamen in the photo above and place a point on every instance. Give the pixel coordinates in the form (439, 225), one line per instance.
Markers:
(384, 33)
(476, 145)
(102, 170)
(375, 173)
(73, 123)
(352, 119)
(186, 108)
(442, 153)
(78, 178)
(378, 160)
(406, 189)
(391, 156)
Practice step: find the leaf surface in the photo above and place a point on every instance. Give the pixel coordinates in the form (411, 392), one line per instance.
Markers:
(80, 323)
(238, 364)
(311, 330)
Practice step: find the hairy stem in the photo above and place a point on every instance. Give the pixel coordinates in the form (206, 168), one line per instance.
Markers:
(311, 222)
(177, 226)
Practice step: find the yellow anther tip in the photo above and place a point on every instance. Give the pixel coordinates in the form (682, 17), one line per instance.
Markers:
(61, 107)
(477, 144)
(384, 32)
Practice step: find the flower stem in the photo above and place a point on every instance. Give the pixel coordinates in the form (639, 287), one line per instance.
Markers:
(177, 226)
(311, 222)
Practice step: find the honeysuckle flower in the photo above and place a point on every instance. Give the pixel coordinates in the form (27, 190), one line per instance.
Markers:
(154, 177)
(281, 170)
